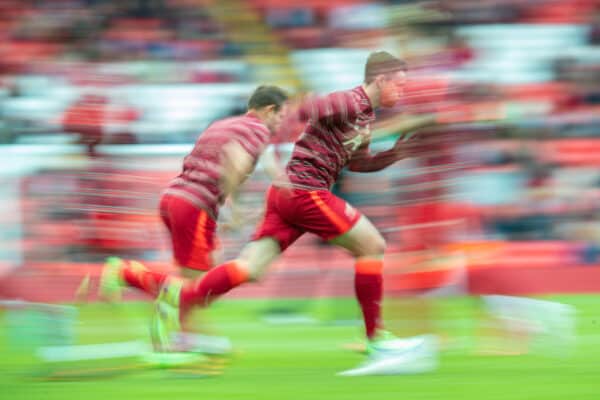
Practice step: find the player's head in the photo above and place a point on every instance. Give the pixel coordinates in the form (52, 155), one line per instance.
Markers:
(386, 75)
(267, 103)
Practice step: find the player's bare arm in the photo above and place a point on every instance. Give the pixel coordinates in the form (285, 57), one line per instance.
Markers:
(403, 124)
(237, 165)
(364, 161)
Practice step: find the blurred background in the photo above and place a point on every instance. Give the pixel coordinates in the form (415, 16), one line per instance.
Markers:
(100, 100)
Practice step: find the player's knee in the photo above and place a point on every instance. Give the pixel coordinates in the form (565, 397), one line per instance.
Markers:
(189, 273)
(251, 271)
(257, 256)
(378, 245)
(254, 274)
(373, 246)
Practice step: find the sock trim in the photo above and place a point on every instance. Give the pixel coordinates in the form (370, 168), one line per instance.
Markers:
(236, 274)
(369, 266)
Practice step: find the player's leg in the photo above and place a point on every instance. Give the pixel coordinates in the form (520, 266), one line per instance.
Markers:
(365, 242)
(118, 273)
(333, 219)
(324, 214)
(387, 354)
(193, 236)
(194, 251)
(252, 262)
(192, 233)
(178, 298)
(272, 237)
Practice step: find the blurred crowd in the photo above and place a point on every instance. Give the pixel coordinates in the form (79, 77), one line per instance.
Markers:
(115, 92)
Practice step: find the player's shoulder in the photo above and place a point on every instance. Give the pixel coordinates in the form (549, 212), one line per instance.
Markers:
(245, 121)
(240, 124)
(344, 92)
(356, 94)
(253, 122)
(356, 91)
(360, 95)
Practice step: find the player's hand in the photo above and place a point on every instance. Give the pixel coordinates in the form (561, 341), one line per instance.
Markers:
(233, 225)
(470, 114)
(454, 116)
(237, 165)
(488, 113)
(408, 145)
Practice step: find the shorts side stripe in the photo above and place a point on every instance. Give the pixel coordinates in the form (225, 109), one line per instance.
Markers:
(200, 248)
(335, 219)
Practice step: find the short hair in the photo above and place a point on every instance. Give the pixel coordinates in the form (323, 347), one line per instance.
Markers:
(266, 95)
(382, 62)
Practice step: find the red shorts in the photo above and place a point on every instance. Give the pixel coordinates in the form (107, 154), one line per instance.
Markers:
(291, 212)
(193, 232)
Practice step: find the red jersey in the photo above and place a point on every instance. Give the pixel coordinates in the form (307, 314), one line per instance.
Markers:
(199, 181)
(338, 125)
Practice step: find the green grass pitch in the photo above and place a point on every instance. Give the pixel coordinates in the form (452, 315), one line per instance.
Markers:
(299, 362)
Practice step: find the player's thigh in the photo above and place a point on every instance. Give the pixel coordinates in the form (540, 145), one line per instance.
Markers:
(333, 219)
(193, 236)
(258, 255)
(322, 213)
(275, 224)
(362, 240)
(273, 235)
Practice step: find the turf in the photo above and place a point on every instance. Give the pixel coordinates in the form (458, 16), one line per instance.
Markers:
(300, 361)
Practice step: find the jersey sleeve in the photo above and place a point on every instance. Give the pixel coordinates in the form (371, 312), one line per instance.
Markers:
(364, 161)
(253, 139)
(335, 108)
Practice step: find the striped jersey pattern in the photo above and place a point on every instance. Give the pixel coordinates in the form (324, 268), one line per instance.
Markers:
(202, 171)
(337, 125)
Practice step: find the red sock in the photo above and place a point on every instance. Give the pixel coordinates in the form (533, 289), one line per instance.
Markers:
(215, 283)
(368, 285)
(137, 275)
